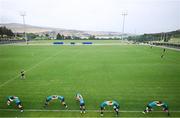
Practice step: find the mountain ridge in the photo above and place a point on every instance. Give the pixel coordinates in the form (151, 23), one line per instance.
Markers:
(19, 28)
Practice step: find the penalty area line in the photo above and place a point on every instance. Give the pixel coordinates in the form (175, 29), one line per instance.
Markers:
(47, 110)
(31, 68)
(8, 81)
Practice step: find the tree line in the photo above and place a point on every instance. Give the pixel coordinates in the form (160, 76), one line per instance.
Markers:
(6, 33)
(155, 37)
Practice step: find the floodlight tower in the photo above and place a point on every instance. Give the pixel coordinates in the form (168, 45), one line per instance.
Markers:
(23, 14)
(124, 14)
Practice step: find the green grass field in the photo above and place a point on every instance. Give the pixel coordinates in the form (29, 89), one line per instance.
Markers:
(132, 75)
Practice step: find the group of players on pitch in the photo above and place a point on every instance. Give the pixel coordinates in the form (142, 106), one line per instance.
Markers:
(62, 100)
(80, 99)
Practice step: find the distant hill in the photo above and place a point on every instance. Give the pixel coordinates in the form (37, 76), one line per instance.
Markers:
(16, 27)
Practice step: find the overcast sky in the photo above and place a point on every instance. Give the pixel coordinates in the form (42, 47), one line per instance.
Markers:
(144, 16)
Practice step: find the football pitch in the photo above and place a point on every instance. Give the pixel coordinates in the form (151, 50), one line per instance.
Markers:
(133, 75)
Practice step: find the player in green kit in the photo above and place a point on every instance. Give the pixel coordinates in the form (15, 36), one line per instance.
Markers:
(17, 101)
(110, 103)
(153, 104)
(55, 97)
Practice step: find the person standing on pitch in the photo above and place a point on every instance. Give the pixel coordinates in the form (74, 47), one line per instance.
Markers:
(22, 74)
(81, 102)
(164, 50)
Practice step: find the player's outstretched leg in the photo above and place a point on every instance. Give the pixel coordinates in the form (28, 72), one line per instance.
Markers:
(102, 112)
(166, 110)
(117, 111)
(46, 103)
(81, 110)
(63, 103)
(84, 110)
(8, 102)
(19, 105)
(146, 110)
(21, 108)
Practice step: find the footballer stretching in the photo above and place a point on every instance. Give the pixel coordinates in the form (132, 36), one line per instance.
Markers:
(17, 101)
(153, 104)
(110, 103)
(81, 102)
(55, 97)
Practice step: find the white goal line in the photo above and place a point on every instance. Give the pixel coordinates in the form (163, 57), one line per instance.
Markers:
(48, 110)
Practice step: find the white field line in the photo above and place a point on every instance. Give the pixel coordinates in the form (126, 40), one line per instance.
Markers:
(46, 110)
(34, 66)
(9, 81)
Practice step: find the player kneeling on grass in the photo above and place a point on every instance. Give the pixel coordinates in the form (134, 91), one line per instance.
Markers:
(110, 103)
(81, 102)
(55, 97)
(153, 104)
(17, 101)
